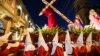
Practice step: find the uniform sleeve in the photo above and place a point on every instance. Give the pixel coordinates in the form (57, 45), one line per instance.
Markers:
(75, 52)
(5, 52)
(42, 52)
(82, 51)
(59, 51)
(28, 53)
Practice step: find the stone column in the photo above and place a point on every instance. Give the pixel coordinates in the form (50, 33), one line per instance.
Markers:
(8, 26)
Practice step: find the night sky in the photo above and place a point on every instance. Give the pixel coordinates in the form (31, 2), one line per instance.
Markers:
(65, 6)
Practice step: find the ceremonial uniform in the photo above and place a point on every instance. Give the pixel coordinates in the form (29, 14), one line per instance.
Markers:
(82, 50)
(29, 47)
(59, 51)
(42, 51)
(12, 50)
(92, 51)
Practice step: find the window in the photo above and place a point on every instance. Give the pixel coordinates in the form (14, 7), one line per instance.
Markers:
(1, 24)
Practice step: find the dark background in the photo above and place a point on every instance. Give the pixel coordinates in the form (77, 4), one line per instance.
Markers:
(65, 6)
